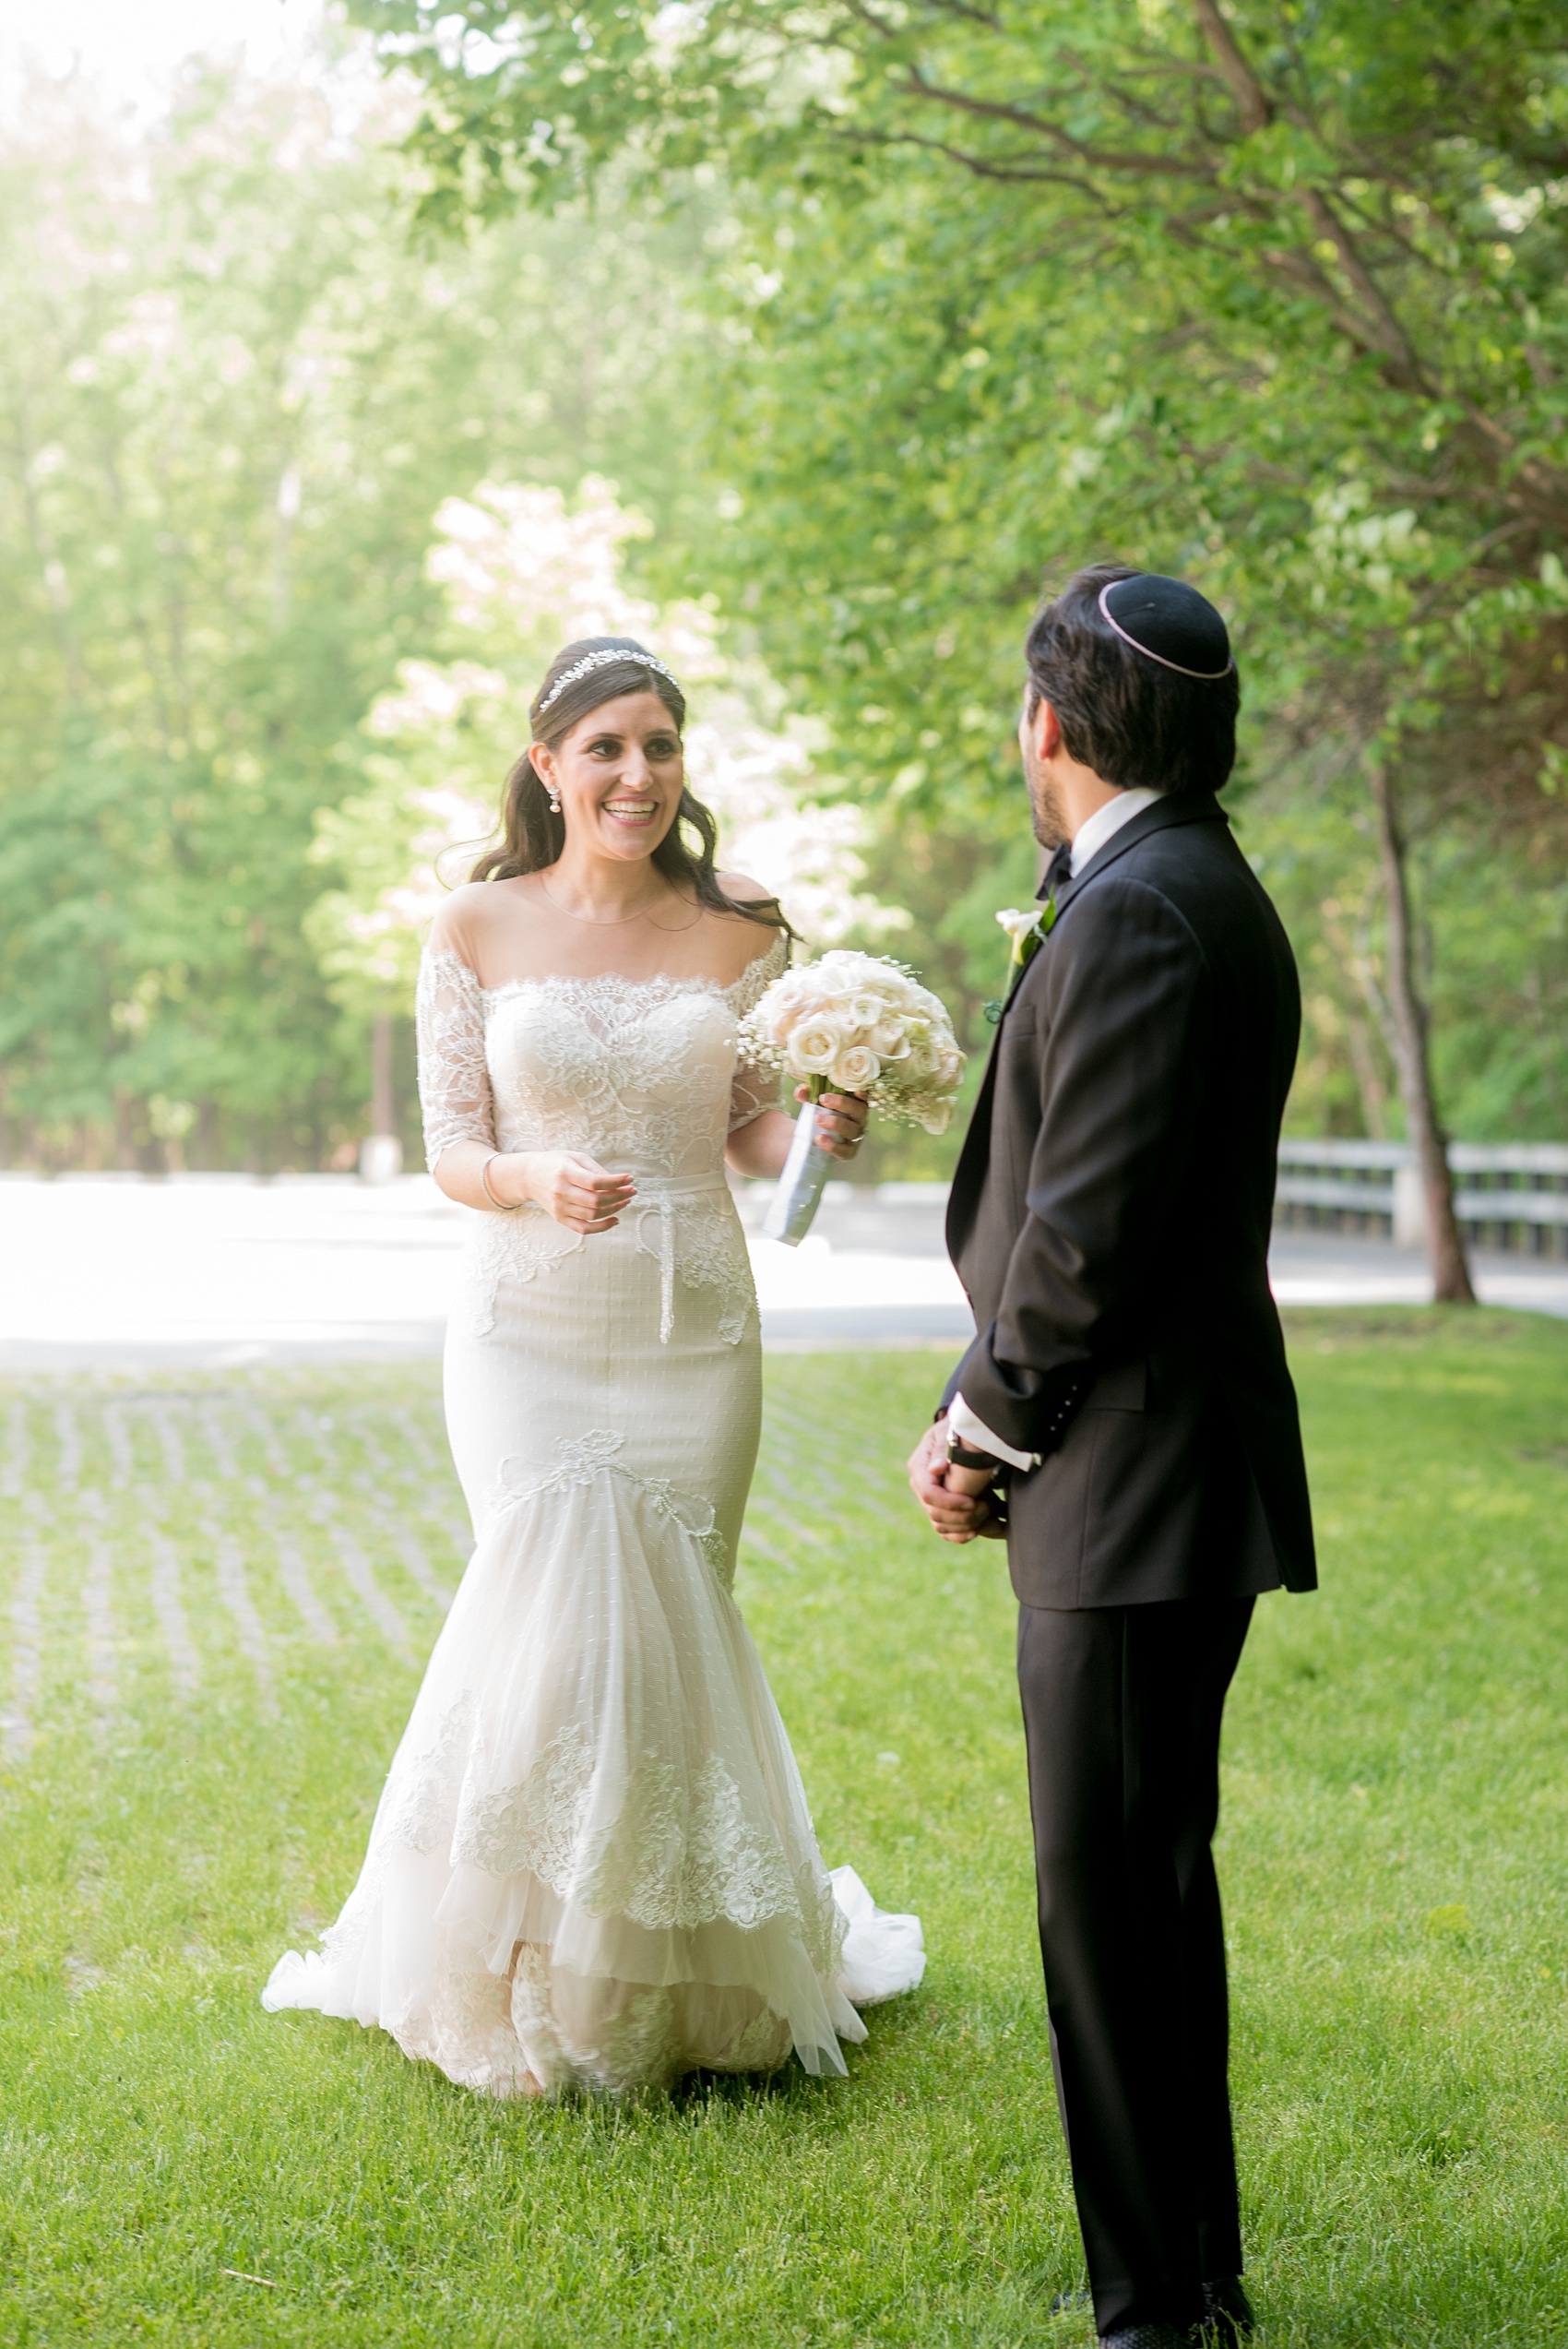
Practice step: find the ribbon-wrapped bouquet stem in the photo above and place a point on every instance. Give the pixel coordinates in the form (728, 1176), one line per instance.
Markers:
(851, 1024)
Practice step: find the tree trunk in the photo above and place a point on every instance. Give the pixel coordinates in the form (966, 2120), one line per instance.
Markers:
(1445, 1245)
(1369, 1080)
(381, 1074)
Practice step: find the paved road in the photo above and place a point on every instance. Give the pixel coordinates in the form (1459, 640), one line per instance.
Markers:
(101, 1270)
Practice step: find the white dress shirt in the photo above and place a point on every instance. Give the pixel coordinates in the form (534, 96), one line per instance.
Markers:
(1093, 833)
(1088, 841)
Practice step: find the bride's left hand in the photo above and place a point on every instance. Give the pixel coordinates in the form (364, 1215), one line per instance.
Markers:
(841, 1132)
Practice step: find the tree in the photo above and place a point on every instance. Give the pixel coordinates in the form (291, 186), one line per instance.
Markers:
(1272, 296)
(523, 571)
(231, 397)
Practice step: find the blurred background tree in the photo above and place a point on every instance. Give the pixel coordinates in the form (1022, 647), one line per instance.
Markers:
(877, 320)
(232, 397)
(525, 570)
(1271, 297)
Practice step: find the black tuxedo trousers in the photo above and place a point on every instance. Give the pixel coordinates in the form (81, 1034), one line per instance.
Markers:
(1121, 1713)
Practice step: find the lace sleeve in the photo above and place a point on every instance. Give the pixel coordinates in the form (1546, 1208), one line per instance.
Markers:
(454, 1078)
(756, 1089)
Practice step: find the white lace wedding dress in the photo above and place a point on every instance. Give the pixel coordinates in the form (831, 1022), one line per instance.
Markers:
(593, 1862)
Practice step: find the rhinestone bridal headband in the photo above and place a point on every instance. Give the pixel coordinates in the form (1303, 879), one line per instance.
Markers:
(605, 660)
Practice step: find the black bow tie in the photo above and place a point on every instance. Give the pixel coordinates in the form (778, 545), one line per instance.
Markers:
(1058, 871)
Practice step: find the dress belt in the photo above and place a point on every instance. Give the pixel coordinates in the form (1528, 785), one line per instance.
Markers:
(656, 1195)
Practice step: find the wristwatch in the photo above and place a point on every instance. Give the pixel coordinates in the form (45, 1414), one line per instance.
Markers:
(962, 1455)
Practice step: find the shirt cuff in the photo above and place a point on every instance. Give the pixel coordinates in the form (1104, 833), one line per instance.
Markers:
(971, 1428)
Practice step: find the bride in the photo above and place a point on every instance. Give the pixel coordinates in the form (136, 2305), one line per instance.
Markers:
(592, 1862)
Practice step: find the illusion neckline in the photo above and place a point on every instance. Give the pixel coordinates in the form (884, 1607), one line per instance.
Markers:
(612, 981)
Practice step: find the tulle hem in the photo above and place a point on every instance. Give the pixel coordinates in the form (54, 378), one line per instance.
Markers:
(592, 1862)
(527, 2021)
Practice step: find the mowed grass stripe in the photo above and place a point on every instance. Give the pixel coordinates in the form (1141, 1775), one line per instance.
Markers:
(118, 1536)
(27, 1645)
(233, 1586)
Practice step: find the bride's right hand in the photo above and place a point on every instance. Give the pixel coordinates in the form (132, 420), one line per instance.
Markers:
(574, 1189)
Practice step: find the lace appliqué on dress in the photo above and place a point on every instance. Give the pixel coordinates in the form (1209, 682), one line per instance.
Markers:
(454, 1079)
(700, 1233)
(753, 1089)
(580, 1459)
(680, 1850)
(420, 1813)
(679, 1853)
(640, 1073)
(515, 1247)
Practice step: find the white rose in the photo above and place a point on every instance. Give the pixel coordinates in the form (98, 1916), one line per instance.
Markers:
(814, 1047)
(788, 1016)
(855, 1069)
(890, 1039)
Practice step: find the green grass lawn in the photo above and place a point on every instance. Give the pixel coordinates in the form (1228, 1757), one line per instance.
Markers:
(215, 1596)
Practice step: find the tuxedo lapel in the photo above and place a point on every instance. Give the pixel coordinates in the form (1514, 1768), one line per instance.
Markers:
(1059, 887)
(1057, 874)
(968, 1176)
(1199, 808)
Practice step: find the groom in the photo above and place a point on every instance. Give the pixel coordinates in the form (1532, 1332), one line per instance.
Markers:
(1126, 1412)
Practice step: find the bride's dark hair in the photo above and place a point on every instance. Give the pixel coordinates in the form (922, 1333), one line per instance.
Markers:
(533, 837)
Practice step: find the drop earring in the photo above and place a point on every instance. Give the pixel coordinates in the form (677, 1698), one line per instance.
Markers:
(555, 803)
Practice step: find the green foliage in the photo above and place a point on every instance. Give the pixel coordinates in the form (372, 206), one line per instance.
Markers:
(1275, 299)
(233, 398)
(430, 767)
(1493, 952)
(1396, 1904)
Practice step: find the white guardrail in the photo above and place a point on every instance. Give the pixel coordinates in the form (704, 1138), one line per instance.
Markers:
(1510, 1195)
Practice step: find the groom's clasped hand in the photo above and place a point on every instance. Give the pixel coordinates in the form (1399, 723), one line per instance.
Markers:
(961, 1503)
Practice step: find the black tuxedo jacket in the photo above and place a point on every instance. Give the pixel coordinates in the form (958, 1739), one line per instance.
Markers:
(1110, 1220)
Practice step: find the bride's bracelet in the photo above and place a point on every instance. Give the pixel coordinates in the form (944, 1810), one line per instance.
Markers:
(507, 1207)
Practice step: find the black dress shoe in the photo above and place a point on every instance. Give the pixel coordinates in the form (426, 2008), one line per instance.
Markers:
(1147, 2336)
(1227, 2313)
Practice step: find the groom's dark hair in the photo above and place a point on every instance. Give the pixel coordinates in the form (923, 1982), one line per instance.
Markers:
(1133, 719)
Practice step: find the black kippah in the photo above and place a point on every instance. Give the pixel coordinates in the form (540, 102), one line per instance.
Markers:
(1168, 622)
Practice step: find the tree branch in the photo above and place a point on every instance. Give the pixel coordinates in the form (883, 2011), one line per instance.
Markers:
(992, 110)
(1387, 333)
(971, 15)
(982, 166)
(1289, 261)
(1252, 101)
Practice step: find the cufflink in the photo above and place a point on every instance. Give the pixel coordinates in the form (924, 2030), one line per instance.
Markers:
(962, 1455)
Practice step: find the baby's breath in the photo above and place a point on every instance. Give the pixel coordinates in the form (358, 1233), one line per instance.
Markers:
(861, 1023)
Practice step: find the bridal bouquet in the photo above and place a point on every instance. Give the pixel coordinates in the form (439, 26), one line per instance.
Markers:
(851, 1024)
